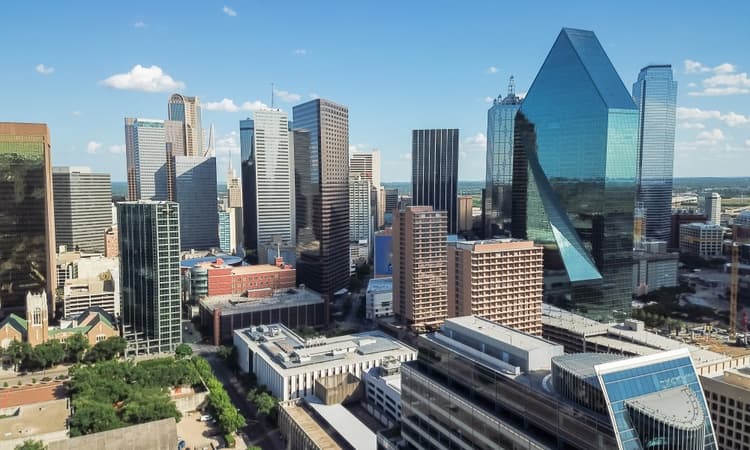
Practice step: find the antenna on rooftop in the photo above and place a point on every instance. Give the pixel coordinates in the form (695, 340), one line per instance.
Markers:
(511, 87)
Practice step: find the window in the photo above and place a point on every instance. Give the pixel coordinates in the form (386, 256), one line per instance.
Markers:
(100, 337)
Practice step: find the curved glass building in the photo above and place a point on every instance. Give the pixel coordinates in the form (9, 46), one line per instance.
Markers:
(574, 177)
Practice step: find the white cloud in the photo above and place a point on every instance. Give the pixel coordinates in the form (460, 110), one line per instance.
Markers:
(747, 142)
(287, 96)
(117, 149)
(405, 156)
(228, 105)
(695, 114)
(695, 67)
(44, 70)
(313, 95)
(488, 99)
(492, 69)
(300, 51)
(229, 11)
(710, 137)
(692, 85)
(92, 147)
(77, 113)
(712, 92)
(692, 126)
(144, 79)
(475, 143)
(725, 68)
(139, 24)
(227, 144)
(724, 81)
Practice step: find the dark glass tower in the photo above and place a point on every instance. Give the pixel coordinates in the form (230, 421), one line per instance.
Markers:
(321, 170)
(574, 177)
(249, 205)
(499, 177)
(655, 94)
(434, 171)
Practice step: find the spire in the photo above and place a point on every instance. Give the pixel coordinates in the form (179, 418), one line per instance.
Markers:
(211, 150)
(511, 87)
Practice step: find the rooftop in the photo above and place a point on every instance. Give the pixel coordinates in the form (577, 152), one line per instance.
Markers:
(234, 304)
(380, 285)
(34, 419)
(582, 364)
(496, 332)
(702, 226)
(678, 407)
(345, 423)
(310, 426)
(495, 245)
(228, 260)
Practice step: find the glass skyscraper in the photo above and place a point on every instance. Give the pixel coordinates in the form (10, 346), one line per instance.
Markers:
(574, 177)
(655, 94)
(195, 191)
(499, 177)
(434, 172)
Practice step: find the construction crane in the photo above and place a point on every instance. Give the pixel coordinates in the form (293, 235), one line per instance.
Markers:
(733, 285)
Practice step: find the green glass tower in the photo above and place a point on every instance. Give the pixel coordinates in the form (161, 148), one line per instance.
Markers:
(574, 177)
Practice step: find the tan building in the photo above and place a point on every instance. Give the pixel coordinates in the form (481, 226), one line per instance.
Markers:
(234, 188)
(499, 280)
(420, 267)
(465, 218)
(728, 398)
(111, 244)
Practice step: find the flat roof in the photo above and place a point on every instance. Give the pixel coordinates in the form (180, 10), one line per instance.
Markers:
(310, 426)
(380, 285)
(498, 333)
(228, 259)
(582, 364)
(234, 304)
(345, 423)
(560, 318)
(677, 406)
(35, 419)
(496, 245)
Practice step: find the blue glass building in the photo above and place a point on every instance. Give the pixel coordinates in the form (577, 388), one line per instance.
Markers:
(225, 233)
(574, 177)
(499, 177)
(195, 191)
(655, 94)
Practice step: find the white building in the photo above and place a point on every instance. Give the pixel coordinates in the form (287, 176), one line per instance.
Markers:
(712, 207)
(289, 365)
(81, 295)
(366, 165)
(360, 214)
(383, 392)
(379, 298)
(702, 239)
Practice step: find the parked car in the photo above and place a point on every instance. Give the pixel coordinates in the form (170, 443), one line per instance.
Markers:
(205, 418)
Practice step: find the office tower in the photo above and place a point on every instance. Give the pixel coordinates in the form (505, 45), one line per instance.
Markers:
(655, 95)
(703, 239)
(420, 266)
(465, 212)
(360, 218)
(150, 275)
(476, 384)
(499, 280)
(379, 196)
(712, 207)
(728, 396)
(83, 207)
(499, 177)
(225, 232)
(404, 201)
(321, 167)
(187, 110)
(111, 245)
(146, 154)
(391, 199)
(195, 190)
(234, 188)
(268, 182)
(574, 177)
(434, 171)
(366, 165)
(27, 219)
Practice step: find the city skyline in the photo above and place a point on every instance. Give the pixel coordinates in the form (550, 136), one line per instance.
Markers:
(713, 130)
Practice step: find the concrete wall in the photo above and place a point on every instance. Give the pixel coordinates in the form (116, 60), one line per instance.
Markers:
(190, 401)
(157, 435)
(339, 388)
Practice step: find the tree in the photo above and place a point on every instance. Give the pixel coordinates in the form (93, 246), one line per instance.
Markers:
(143, 406)
(31, 445)
(224, 352)
(110, 348)
(183, 351)
(46, 355)
(91, 416)
(231, 420)
(75, 347)
(264, 402)
(17, 352)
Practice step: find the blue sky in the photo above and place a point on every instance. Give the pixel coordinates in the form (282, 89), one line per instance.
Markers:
(397, 65)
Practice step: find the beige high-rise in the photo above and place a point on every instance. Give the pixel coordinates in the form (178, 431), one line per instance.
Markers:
(188, 111)
(465, 218)
(420, 267)
(500, 280)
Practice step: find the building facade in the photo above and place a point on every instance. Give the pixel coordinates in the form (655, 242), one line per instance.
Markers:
(83, 207)
(111, 247)
(434, 172)
(150, 275)
(420, 267)
(187, 110)
(728, 397)
(225, 234)
(360, 215)
(365, 165)
(680, 218)
(712, 207)
(195, 190)
(655, 94)
(27, 215)
(465, 213)
(499, 177)
(379, 298)
(321, 168)
(145, 148)
(703, 239)
(499, 280)
(574, 176)
(652, 271)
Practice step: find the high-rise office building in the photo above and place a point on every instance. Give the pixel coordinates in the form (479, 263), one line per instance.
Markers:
(465, 213)
(321, 168)
(420, 266)
(195, 190)
(574, 177)
(365, 165)
(150, 275)
(499, 177)
(188, 111)
(499, 280)
(360, 218)
(146, 154)
(234, 188)
(27, 219)
(434, 171)
(268, 191)
(655, 95)
(225, 233)
(712, 207)
(391, 200)
(379, 200)
(83, 208)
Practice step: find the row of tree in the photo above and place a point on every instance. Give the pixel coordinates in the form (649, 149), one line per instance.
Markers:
(75, 349)
(228, 416)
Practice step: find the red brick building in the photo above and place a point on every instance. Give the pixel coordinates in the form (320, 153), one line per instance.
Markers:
(258, 281)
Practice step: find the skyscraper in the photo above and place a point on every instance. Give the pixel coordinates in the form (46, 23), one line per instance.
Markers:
(188, 111)
(27, 219)
(499, 177)
(420, 267)
(574, 176)
(321, 168)
(195, 191)
(234, 188)
(150, 275)
(360, 217)
(366, 165)
(655, 95)
(434, 171)
(146, 154)
(225, 232)
(83, 208)
(712, 207)
(268, 182)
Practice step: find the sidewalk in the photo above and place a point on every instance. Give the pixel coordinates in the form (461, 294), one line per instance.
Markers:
(11, 377)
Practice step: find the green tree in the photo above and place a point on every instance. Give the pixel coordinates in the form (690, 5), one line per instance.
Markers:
(46, 355)
(91, 416)
(264, 402)
(224, 352)
(183, 351)
(18, 352)
(31, 445)
(75, 347)
(110, 348)
(147, 405)
(231, 420)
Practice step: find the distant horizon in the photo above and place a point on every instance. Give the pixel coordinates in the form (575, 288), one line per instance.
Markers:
(482, 181)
